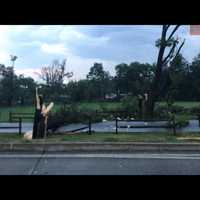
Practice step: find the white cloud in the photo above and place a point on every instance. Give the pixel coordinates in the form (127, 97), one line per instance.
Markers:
(80, 66)
(84, 45)
(54, 48)
(3, 57)
(28, 72)
(34, 43)
(70, 35)
(4, 44)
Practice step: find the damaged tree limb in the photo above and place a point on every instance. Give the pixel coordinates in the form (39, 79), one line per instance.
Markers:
(162, 61)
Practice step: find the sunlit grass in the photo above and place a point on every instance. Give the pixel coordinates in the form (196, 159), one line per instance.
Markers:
(104, 137)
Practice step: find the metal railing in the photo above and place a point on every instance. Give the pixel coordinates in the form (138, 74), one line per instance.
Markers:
(117, 119)
(19, 127)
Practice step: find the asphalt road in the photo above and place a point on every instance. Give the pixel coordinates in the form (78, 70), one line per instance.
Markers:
(99, 164)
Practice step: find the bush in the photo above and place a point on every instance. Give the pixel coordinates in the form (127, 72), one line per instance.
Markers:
(71, 114)
(180, 120)
(176, 109)
(129, 104)
(161, 112)
(194, 110)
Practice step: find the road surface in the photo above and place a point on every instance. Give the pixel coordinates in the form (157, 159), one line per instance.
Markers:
(99, 164)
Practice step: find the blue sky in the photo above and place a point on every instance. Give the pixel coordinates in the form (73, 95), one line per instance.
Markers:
(37, 46)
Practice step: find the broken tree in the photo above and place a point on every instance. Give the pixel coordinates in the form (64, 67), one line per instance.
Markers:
(167, 41)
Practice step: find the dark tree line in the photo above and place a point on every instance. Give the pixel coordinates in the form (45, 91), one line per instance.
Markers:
(180, 82)
(15, 89)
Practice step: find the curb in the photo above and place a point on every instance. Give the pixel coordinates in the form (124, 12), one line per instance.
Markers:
(103, 147)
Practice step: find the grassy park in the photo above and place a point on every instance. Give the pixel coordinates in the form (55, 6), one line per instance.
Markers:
(85, 106)
(4, 111)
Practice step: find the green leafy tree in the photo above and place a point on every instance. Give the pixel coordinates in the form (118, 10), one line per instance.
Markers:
(8, 85)
(193, 76)
(99, 79)
(25, 90)
(134, 78)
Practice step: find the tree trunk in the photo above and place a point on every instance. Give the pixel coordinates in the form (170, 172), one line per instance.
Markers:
(150, 106)
(154, 90)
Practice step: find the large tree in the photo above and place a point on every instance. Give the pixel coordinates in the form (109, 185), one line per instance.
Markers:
(99, 80)
(173, 45)
(7, 85)
(194, 81)
(134, 78)
(25, 90)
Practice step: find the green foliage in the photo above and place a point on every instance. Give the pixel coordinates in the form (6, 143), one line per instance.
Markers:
(179, 82)
(164, 111)
(134, 78)
(71, 113)
(161, 112)
(129, 104)
(100, 80)
(177, 109)
(168, 44)
(181, 120)
(195, 110)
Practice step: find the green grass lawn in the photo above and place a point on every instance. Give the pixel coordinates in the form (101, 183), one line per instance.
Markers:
(104, 137)
(99, 105)
(4, 111)
(186, 104)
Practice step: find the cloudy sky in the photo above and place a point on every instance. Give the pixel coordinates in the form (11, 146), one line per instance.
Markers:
(37, 46)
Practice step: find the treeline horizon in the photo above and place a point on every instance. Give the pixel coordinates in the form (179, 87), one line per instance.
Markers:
(181, 81)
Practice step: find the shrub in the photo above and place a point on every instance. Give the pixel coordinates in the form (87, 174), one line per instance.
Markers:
(129, 104)
(176, 109)
(161, 112)
(71, 114)
(180, 120)
(194, 110)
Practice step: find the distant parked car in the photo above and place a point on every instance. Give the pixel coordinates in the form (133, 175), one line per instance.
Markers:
(110, 96)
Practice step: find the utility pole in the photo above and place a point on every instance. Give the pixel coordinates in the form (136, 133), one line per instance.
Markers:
(13, 59)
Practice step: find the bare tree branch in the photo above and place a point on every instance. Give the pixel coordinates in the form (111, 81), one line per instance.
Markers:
(170, 54)
(172, 33)
(167, 27)
(179, 49)
(55, 73)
